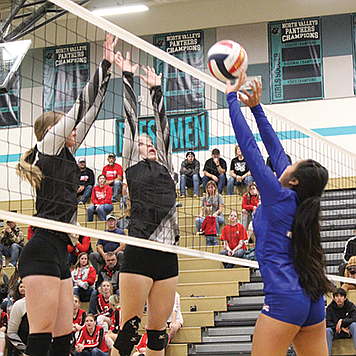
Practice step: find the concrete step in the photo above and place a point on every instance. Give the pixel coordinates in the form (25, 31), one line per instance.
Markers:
(229, 331)
(240, 318)
(246, 303)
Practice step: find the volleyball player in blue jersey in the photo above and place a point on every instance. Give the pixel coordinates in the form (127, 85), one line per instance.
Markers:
(288, 243)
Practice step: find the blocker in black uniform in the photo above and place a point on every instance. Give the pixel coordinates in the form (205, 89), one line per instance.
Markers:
(52, 170)
(147, 274)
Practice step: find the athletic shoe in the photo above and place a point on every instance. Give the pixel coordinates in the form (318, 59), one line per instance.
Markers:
(195, 196)
(10, 265)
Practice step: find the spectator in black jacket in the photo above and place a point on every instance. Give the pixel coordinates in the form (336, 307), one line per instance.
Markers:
(110, 272)
(86, 181)
(189, 174)
(340, 318)
(215, 169)
(349, 251)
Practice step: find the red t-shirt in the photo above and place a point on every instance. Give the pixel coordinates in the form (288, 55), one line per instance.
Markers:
(101, 195)
(249, 205)
(80, 317)
(233, 235)
(90, 341)
(209, 225)
(112, 173)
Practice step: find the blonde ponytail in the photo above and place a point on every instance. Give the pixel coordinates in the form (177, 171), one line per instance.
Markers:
(25, 169)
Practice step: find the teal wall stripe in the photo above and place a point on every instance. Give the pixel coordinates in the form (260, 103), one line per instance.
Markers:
(213, 141)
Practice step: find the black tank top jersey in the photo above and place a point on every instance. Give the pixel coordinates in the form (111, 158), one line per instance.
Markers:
(152, 195)
(57, 195)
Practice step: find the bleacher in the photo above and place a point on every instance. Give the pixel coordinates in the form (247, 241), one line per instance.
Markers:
(228, 302)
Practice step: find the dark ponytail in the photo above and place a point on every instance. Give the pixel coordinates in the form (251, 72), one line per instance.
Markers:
(308, 254)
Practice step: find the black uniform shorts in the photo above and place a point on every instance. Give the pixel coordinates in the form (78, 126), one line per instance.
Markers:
(154, 264)
(45, 254)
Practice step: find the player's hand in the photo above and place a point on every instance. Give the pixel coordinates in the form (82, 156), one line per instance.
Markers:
(252, 100)
(109, 46)
(125, 63)
(151, 79)
(239, 82)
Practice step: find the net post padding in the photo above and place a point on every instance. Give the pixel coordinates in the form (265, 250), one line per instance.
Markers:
(129, 240)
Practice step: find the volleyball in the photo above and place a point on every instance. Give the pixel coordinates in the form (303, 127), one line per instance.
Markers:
(225, 59)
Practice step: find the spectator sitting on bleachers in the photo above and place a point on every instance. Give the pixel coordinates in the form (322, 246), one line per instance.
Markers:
(86, 181)
(83, 276)
(113, 173)
(175, 321)
(82, 244)
(78, 315)
(111, 322)
(18, 294)
(240, 174)
(234, 236)
(101, 199)
(340, 318)
(101, 302)
(214, 199)
(105, 246)
(18, 328)
(350, 272)
(3, 328)
(4, 285)
(208, 227)
(349, 251)
(215, 169)
(250, 203)
(11, 242)
(91, 339)
(189, 175)
(109, 272)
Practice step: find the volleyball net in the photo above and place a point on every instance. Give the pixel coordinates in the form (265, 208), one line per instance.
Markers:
(65, 52)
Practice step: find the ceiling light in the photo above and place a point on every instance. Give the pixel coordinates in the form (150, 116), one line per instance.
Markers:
(119, 10)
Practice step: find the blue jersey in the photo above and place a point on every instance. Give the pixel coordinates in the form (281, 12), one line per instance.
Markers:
(274, 217)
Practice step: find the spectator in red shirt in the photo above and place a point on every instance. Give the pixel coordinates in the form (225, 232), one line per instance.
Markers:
(101, 199)
(82, 244)
(234, 236)
(113, 173)
(250, 203)
(209, 227)
(91, 339)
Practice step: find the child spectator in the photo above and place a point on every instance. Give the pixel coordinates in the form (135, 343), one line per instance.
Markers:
(340, 318)
(101, 199)
(209, 227)
(83, 276)
(234, 236)
(82, 244)
(18, 294)
(91, 340)
(250, 203)
(175, 321)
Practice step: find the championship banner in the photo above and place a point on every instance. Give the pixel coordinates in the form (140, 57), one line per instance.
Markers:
(188, 131)
(66, 71)
(354, 47)
(181, 91)
(295, 59)
(10, 106)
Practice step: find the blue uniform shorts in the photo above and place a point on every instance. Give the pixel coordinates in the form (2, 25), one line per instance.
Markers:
(298, 309)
